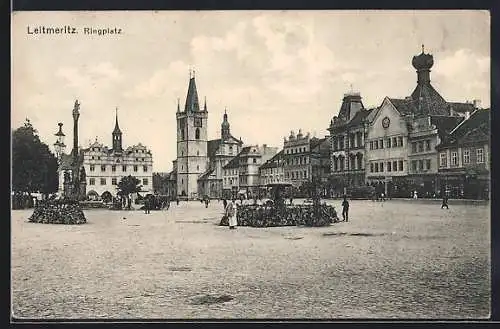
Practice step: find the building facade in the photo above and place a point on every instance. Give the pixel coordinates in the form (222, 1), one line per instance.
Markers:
(348, 132)
(105, 167)
(296, 152)
(401, 155)
(273, 170)
(464, 158)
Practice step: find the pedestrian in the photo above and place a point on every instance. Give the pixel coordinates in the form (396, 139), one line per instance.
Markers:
(146, 205)
(206, 202)
(224, 202)
(177, 201)
(291, 201)
(415, 195)
(445, 202)
(345, 209)
(231, 215)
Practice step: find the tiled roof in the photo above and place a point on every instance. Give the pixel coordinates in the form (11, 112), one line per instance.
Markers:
(359, 117)
(273, 162)
(192, 103)
(404, 106)
(428, 101)
(461, 107)
(207, 174)
(445, 124)
(233, 163)
(212, 147)
(478, 120)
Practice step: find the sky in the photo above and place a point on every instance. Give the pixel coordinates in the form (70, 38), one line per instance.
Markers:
(274, 71)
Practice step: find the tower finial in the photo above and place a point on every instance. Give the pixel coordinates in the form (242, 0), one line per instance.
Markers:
(178, 104)
(205, 105)
(194, 72)
(189, 73)
(225, 109)
(422, 48)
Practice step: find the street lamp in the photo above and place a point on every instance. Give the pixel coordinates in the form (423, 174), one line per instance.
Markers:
(59, 145)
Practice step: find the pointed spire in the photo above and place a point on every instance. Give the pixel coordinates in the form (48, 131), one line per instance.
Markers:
(423, 48)
(178, 104)
(117, 127)
(205, 106)
(192, 103)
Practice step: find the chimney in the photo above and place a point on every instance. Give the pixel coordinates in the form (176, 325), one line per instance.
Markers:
(476, 103)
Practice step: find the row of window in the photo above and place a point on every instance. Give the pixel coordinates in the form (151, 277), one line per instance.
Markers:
(124, 168)
(391, 166)
(466, 157)
(297, 161)
(386, 143)
(114, 181)
(296, 174)
(98, 149)
(356, 163)
(422, 146)
(420, 165)
(295, 150)
(196, 134)
(341, 142)
(118, 160)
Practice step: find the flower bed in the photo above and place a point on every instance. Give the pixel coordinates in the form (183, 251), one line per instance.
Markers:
(266, 216)
(58, 212)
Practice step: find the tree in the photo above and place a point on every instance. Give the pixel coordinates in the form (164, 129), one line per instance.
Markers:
(129, 184)
(34, 167)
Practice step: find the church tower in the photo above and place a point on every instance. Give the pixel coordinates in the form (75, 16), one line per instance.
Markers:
(117, 136)
(192, 160)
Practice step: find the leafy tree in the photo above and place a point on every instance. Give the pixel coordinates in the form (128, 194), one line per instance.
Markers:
(34, 167)
(129, 184)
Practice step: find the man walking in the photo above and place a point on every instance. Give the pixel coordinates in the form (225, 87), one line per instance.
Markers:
(345, 209)
(445, 202)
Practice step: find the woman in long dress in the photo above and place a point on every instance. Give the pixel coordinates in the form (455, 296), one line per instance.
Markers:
(231, 214)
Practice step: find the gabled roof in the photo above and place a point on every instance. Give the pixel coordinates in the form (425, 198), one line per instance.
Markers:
(206, 174)
(461, 107)
(404, 106)
(212, 147)
(360, 117)
(273, 162)
(233, 163)
(445, 124)
(475, 128)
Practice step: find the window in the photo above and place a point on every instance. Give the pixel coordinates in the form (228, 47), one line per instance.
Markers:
(400, 165)
(182, 134)
(103, 181)
(376, 166)
(145, 181)
(394, 142)
(389, 166)
(381, 167)
(394, 166)
(92, 157)
(92, 168)
(91, 181)
(371, 167)
(124, 168)
(305, 174)
(420, 165)
(198, 122)
(388, 142)
(381, 143)
(479, 156)
(420, 146)
(98, 158)
(414, 147)
(254, 160)
(135, 168)
(371, 145)
(197, 133)
(400, 141)
(113, 168)
(197, 167)
(428, 145)
(113, 181)
(442, 159)
(414, 165)
(376, 145)
(454, 158)
(103, 167)
(466, 156)
(428, 164)
(145, 168)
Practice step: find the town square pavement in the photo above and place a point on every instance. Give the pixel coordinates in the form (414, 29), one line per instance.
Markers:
(393, 259)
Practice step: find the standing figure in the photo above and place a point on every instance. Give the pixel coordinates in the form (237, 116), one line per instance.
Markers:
(147, 204)
(224, 203)
(345, 209)
(206, 202)
(415, 195)
(231, 214)
(445, 202)
(177, 201)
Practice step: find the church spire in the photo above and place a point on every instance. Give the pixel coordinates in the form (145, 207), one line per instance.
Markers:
(205, 105)
(192, 104)
(225, 129)
(117, 134)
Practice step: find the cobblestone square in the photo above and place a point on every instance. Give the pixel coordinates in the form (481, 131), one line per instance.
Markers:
(397, 259)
